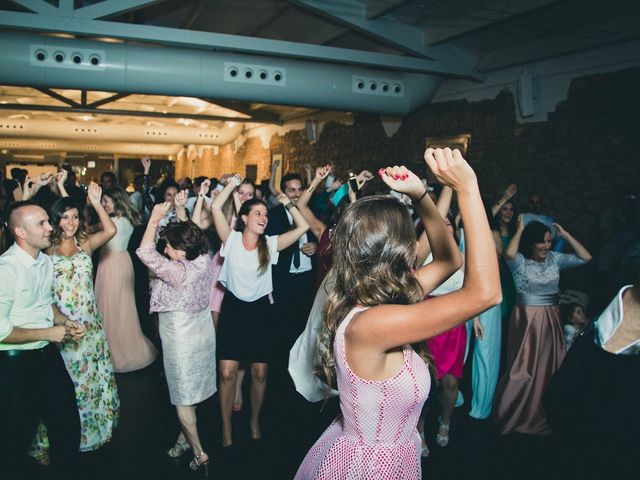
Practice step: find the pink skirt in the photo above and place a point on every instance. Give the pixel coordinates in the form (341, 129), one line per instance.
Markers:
(535, 351)
(217, 291)
(447, 351)
(130, 349)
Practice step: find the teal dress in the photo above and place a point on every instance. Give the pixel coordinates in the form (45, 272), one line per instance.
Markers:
(507, 284)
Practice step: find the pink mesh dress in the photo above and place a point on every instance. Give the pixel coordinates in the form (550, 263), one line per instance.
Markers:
(376, 436)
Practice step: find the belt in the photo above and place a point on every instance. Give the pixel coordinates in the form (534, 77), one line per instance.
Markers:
(16, 352)
(537, 299)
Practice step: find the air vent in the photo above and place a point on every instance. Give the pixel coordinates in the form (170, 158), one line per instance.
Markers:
(255, 74)
(377, 86)
(156, 133)
(61, 57)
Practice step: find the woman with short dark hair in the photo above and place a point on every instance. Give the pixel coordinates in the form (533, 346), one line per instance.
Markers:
(182, 276)
(536, 346)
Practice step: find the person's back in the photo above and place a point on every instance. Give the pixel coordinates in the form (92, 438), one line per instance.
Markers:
(379, 417)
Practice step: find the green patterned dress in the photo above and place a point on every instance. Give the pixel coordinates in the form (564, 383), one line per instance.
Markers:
(88, 360)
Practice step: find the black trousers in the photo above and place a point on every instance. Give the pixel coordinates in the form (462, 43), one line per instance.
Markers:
(35, 385)
(293, 301)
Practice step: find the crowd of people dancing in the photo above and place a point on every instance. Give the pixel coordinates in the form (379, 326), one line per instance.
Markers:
(408, 277)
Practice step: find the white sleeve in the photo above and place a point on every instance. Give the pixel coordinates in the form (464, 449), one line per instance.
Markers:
(272, 245)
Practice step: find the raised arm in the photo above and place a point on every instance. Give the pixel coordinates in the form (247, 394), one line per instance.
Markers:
(446, 256)
(61, 177)
(300, 224)
(99, 238)
(509, 192)
(580, 250)
(197, 209)
(388, 326)
(316, 226)
(166, 270)
(511, 251)
(273, 187)
(219, 220)
(443, 203)
(31, 187)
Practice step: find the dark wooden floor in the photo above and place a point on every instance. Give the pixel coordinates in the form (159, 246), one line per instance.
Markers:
(148, 427)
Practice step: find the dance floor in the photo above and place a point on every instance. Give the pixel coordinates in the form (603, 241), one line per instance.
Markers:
(148, 427)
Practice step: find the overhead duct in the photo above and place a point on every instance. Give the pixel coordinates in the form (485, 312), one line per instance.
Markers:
(120, 148)
(103, 132)
(52, 62)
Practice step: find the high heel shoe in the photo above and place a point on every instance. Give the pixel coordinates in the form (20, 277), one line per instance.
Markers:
(442, 439)
(196, 465)
(179, 449)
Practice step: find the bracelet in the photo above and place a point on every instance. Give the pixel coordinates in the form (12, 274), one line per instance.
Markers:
(422, 196)
(289, 206)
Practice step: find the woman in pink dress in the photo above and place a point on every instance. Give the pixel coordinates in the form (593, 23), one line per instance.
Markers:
(374, 313)
(130, 349)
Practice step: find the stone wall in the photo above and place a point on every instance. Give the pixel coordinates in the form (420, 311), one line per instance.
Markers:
(579, 159)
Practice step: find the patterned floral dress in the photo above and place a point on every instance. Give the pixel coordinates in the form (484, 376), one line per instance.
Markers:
(88, 360)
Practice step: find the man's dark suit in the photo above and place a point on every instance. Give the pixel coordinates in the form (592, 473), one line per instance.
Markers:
(292, 293)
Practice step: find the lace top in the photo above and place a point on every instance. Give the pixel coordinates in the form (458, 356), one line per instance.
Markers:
(178, 286)
(541, 278)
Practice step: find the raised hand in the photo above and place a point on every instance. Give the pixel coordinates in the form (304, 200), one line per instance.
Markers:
(159, 211)
(510, 191)
(237, 179)
(61, 176)
(561, 231)
(44, 179)
(146, 164)
(364, 176)
(204, 186)
(94, 193)
(307, 168)
(402, 180)
(449, 167)
(323, 172)
(521, 224)
(283, 199)
(30, 188)
(181, 197)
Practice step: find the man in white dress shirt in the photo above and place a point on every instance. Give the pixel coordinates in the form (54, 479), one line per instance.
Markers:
(34, 383)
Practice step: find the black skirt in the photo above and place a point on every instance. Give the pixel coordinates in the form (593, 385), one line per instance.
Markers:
(245, 331)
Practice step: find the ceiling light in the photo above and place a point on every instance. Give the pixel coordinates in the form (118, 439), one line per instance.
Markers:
(231, 124)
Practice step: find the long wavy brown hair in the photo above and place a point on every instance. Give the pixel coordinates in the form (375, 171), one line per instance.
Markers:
(374, 249)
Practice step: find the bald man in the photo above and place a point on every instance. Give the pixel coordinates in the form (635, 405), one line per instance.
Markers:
(34, 383)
